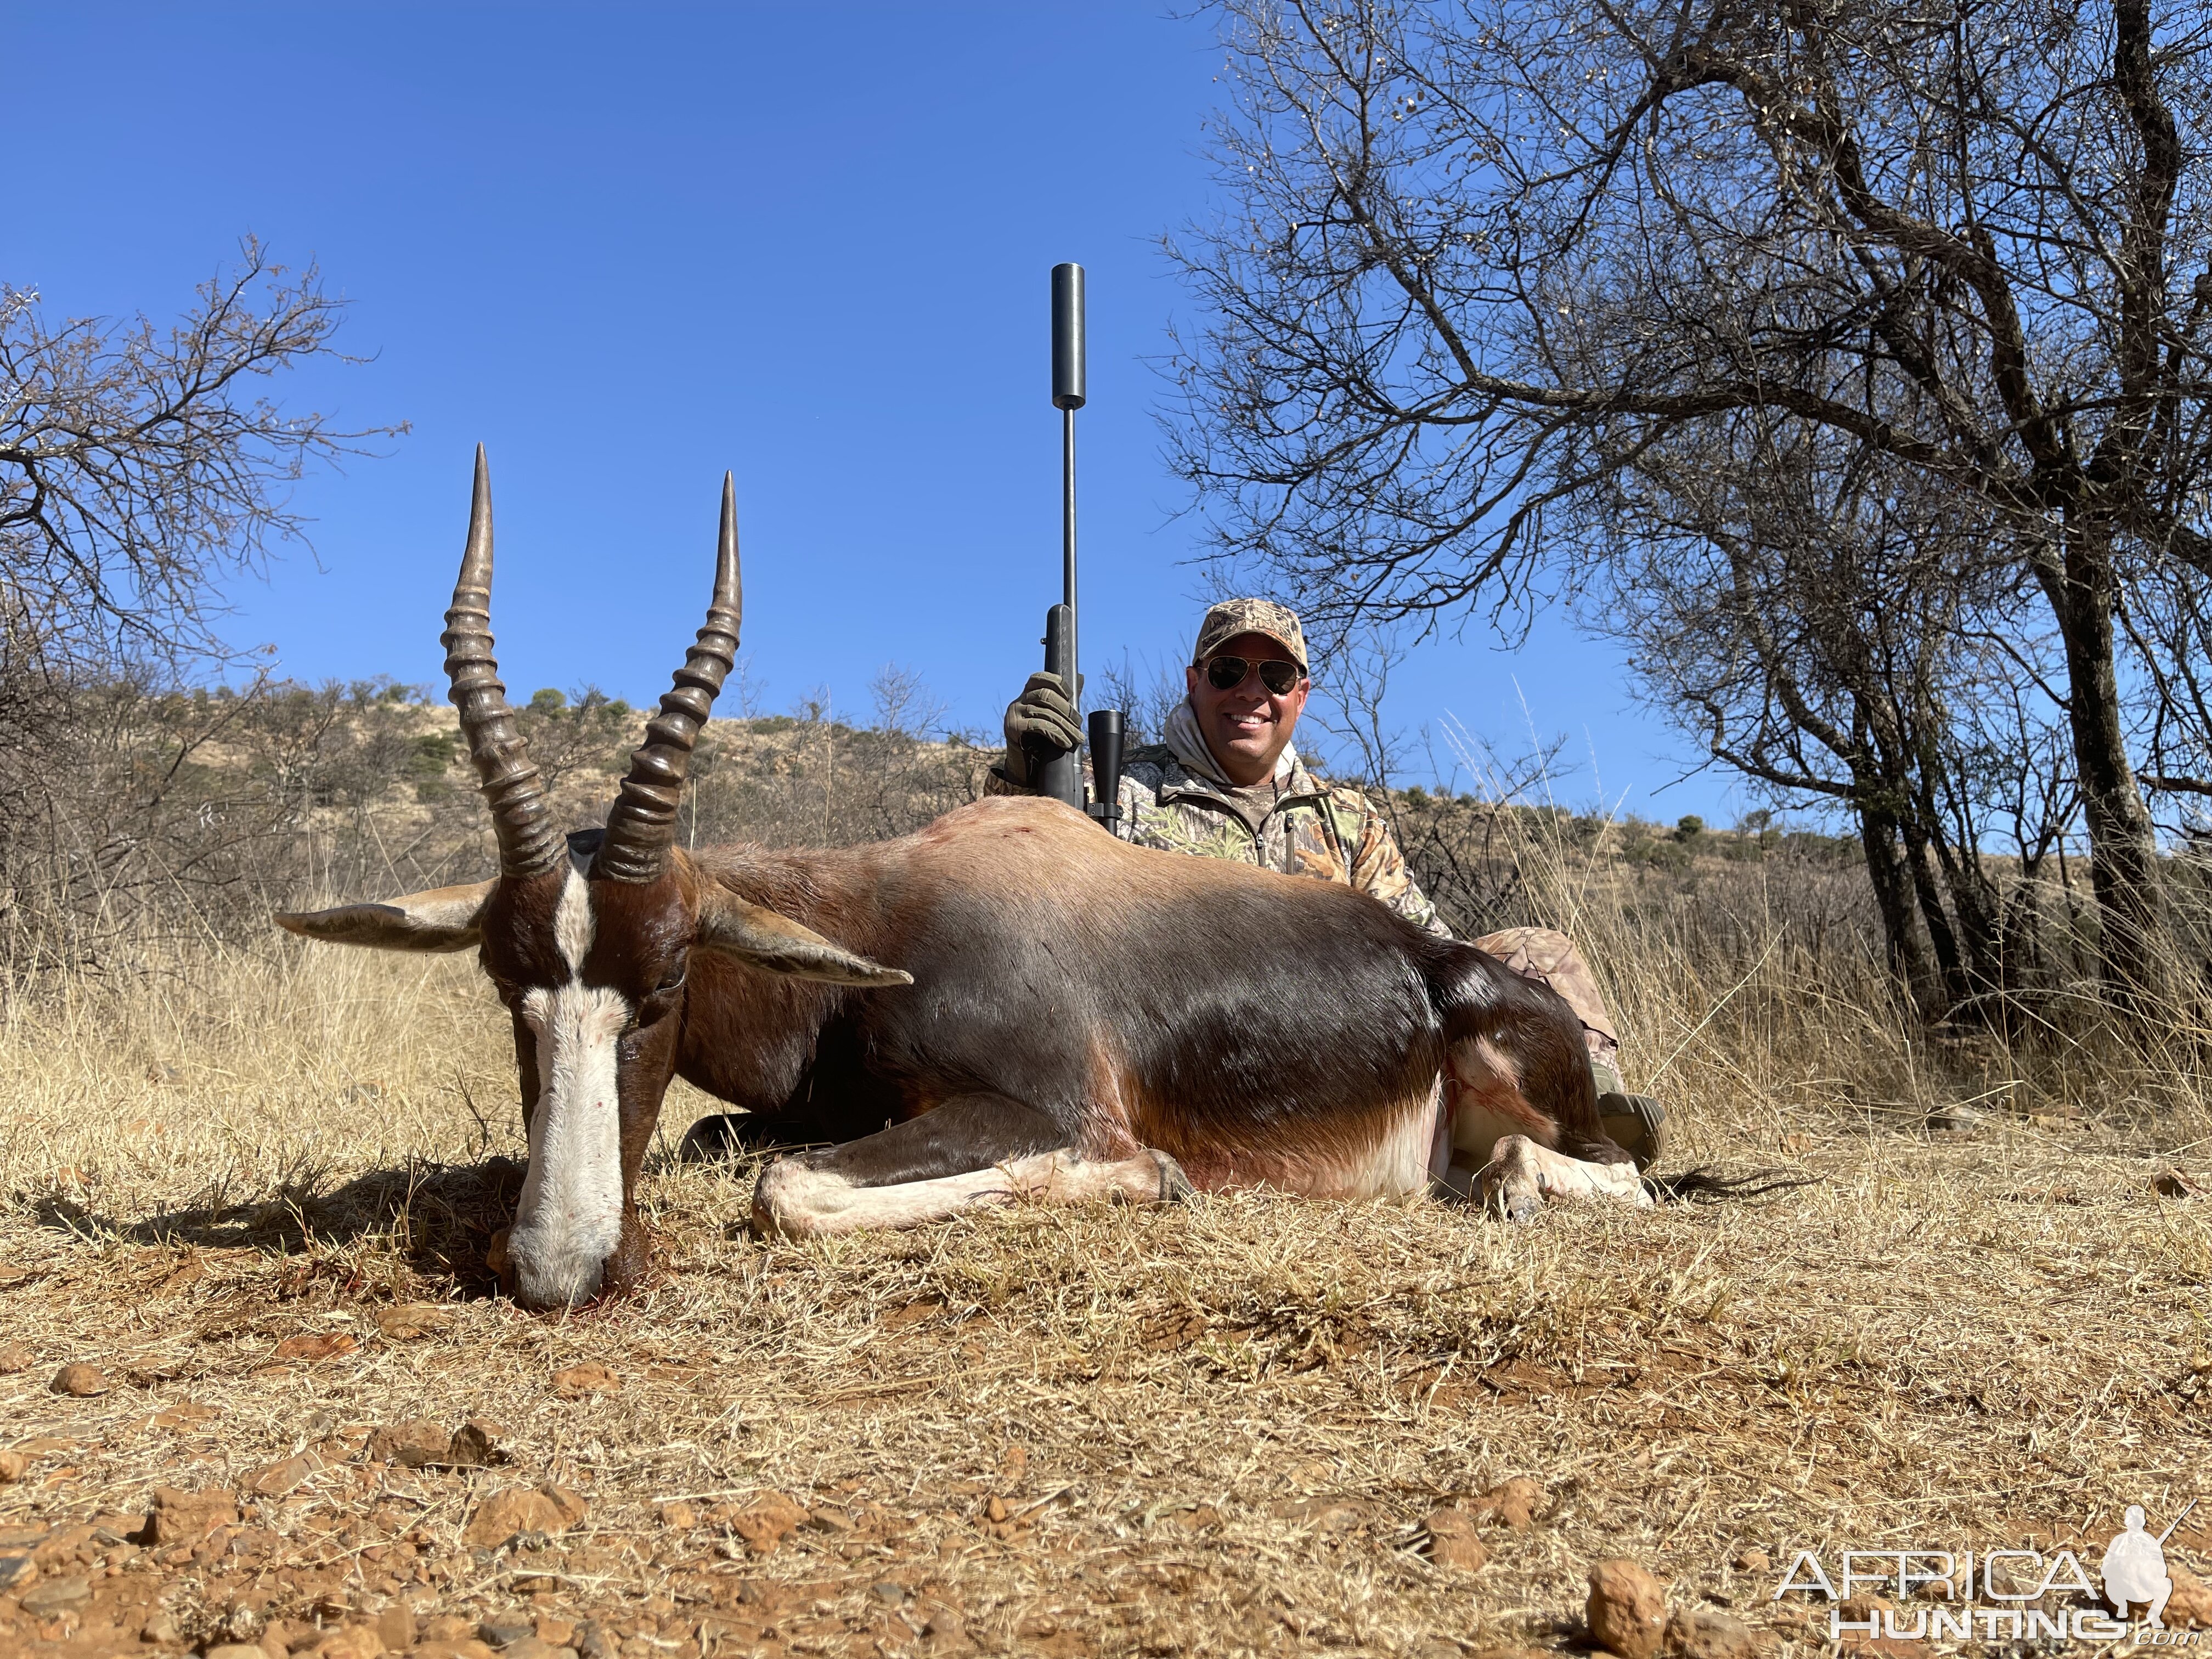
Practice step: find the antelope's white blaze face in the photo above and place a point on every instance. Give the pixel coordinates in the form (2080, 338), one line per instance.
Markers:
(569, 1220)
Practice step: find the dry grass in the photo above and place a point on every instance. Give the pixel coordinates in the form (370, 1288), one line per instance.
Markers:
(1212, 1430)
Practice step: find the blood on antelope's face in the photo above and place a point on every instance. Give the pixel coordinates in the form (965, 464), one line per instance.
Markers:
(587, 939)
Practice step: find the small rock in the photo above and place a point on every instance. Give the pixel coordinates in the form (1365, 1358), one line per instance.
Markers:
(186, 1517)
(1322, 1514)
(409, 1320)
(80, 1380)
(1753, 1561)
(1628, 1609)
(763, 1522)
(1515, 1502)
(996, 1509)
(236, 1651)
(51, 1596)
(555, 1632)
(2189, 1606)
(161, 1631)
(1451, 1540)
(945, 1623)
(574, 1381)
(499, 1519)
(1956, 1120)
(682, 1517)
(353, 1642)
(1696, 1634)
(312, 1345)
(592, 1641)
(413, 1445)
(2172, 1183)
(449, 1627)
(889, 1593)
(395, 1626)
(12, 1465)
(477, 1444)
(15, 1356)
(17, 1572)
(276, 1480)
(504, 1632)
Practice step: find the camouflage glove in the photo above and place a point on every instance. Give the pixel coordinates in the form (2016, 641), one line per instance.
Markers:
(1041, 717)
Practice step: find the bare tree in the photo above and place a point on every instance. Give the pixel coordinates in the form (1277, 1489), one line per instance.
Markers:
(1486, 253)
(1836, 629)
(139, 466)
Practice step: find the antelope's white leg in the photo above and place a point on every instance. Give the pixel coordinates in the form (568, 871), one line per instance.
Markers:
(801, 1202)
(1523, 1176)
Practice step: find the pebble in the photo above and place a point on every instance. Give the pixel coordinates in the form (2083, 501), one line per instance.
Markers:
(416, 1444)
(15, 1356)
(186, 1517)
(12, 1465)
(51, 1596)
(1627, 1608)
(1694, 1633)
(504, 1632)
(161, 1631)
(763, 1522)
(80, 1380)
(1452, 1542)
(499, 1519)
(1515, 1502)
(236, 1651)
(16, 1572)
(478, 1444)
(2190, 1603)
(888, 1592)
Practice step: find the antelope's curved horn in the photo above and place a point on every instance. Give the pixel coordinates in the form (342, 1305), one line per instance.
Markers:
(521, 817)
(641, 825)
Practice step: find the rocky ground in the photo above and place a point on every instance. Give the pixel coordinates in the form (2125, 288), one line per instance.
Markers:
(1254, 1424)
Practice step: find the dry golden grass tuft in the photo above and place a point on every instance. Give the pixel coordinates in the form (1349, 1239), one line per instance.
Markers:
(1217, 1428)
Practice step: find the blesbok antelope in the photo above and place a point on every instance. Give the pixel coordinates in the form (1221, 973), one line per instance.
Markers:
(1008, 1004)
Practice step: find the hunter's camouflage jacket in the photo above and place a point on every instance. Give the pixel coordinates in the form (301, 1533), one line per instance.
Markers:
(1172, 798)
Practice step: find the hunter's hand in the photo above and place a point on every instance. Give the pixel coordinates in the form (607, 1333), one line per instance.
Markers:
(1043, 717)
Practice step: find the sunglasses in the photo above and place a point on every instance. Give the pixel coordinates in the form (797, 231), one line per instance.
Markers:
(1227, 673)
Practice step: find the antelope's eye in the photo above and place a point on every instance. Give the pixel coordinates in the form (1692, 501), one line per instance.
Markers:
(672, 981)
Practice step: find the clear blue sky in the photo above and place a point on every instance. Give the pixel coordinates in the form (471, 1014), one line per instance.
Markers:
(629, 246)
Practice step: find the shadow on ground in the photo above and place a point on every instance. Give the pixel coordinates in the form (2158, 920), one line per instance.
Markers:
(438, 1217)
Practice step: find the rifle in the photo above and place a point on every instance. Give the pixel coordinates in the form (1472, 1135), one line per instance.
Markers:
(1059, 774)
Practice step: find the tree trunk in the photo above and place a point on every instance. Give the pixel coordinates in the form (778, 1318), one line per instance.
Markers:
(2123, 873)
(1892, 894)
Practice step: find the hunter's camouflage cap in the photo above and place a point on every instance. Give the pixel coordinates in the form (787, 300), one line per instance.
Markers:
(1234, 617)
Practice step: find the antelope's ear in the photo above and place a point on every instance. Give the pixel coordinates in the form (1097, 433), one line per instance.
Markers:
(443, 919)
(759, 938)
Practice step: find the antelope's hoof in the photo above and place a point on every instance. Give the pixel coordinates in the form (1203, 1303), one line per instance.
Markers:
(1174, 1185)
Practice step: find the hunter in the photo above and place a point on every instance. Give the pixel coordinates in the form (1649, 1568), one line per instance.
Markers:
(1226, 783)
